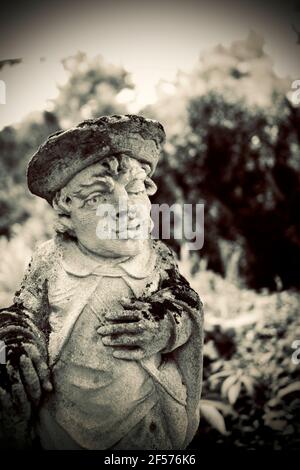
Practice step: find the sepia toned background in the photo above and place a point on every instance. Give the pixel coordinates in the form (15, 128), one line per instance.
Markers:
(219, 78)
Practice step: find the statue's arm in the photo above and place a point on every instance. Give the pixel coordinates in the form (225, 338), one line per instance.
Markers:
(26, 321)
(182, 303)
(23, 330)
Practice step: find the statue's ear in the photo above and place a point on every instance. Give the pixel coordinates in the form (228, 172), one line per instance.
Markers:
(61, 202)
(151, 187)
(63, 224)
(62, 205)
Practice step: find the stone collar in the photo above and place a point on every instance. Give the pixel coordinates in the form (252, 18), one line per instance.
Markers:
(79, 264)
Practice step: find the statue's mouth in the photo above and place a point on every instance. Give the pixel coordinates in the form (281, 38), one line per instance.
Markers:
(131, 232)
(136, 229)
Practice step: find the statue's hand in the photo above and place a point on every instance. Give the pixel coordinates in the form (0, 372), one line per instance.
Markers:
(136, 332)
(177, 295)
(15, 413)
(27, 374)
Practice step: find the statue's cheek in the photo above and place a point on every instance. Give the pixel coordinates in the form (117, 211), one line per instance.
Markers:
(84, 220)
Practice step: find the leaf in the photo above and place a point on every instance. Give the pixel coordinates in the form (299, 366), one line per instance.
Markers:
(219, 405)
(255, 372)
(218, 375)
(293, 387)
(273, 402)
(274, 415)
(210, 350)
(214, 418)
(227, 384)
(216, 366)
(278, 424)
(249, 384)
(234, 392)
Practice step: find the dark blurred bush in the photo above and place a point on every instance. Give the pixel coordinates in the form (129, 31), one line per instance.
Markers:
(236, 148)
(243, 163)
(251, 384)
(16, 147)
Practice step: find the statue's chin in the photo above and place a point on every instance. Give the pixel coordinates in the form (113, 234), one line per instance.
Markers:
(118, 248)
(127, 247)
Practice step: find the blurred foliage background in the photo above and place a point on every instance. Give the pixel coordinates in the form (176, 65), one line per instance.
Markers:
(233, 143)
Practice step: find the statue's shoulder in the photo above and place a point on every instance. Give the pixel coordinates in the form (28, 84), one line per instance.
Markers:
(39, 271)
(45, 257)
(166, 257)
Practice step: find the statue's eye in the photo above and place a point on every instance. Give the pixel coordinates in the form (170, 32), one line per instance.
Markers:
(93, 201)
(136, 187)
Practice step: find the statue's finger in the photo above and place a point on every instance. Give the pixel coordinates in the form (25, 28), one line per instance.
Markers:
(6, 403)
(6, 413)
(135, 305)
(41, 367)
(118, 328)
(30, 380)
(125, 300)
(11, 372)
(122, 340)
(133, 316)
(130, 355)
(18, 393)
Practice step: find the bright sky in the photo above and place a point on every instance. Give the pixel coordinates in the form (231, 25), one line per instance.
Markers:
(151, 40)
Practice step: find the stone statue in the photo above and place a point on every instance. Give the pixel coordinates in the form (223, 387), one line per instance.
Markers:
(104, 339)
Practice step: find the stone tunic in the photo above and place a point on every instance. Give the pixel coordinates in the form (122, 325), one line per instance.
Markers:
(56, 301)
(98, 399)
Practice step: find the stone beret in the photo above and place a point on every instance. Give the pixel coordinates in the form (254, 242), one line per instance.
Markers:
(66, 153)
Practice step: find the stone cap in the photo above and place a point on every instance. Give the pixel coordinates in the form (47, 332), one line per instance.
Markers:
(66, 153)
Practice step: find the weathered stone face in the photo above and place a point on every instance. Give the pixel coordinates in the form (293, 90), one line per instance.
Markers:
(110, 213)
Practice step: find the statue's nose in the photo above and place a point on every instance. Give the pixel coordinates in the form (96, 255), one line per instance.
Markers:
(126, 213)
(119, 195)
(122, 213)
(120, 201)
